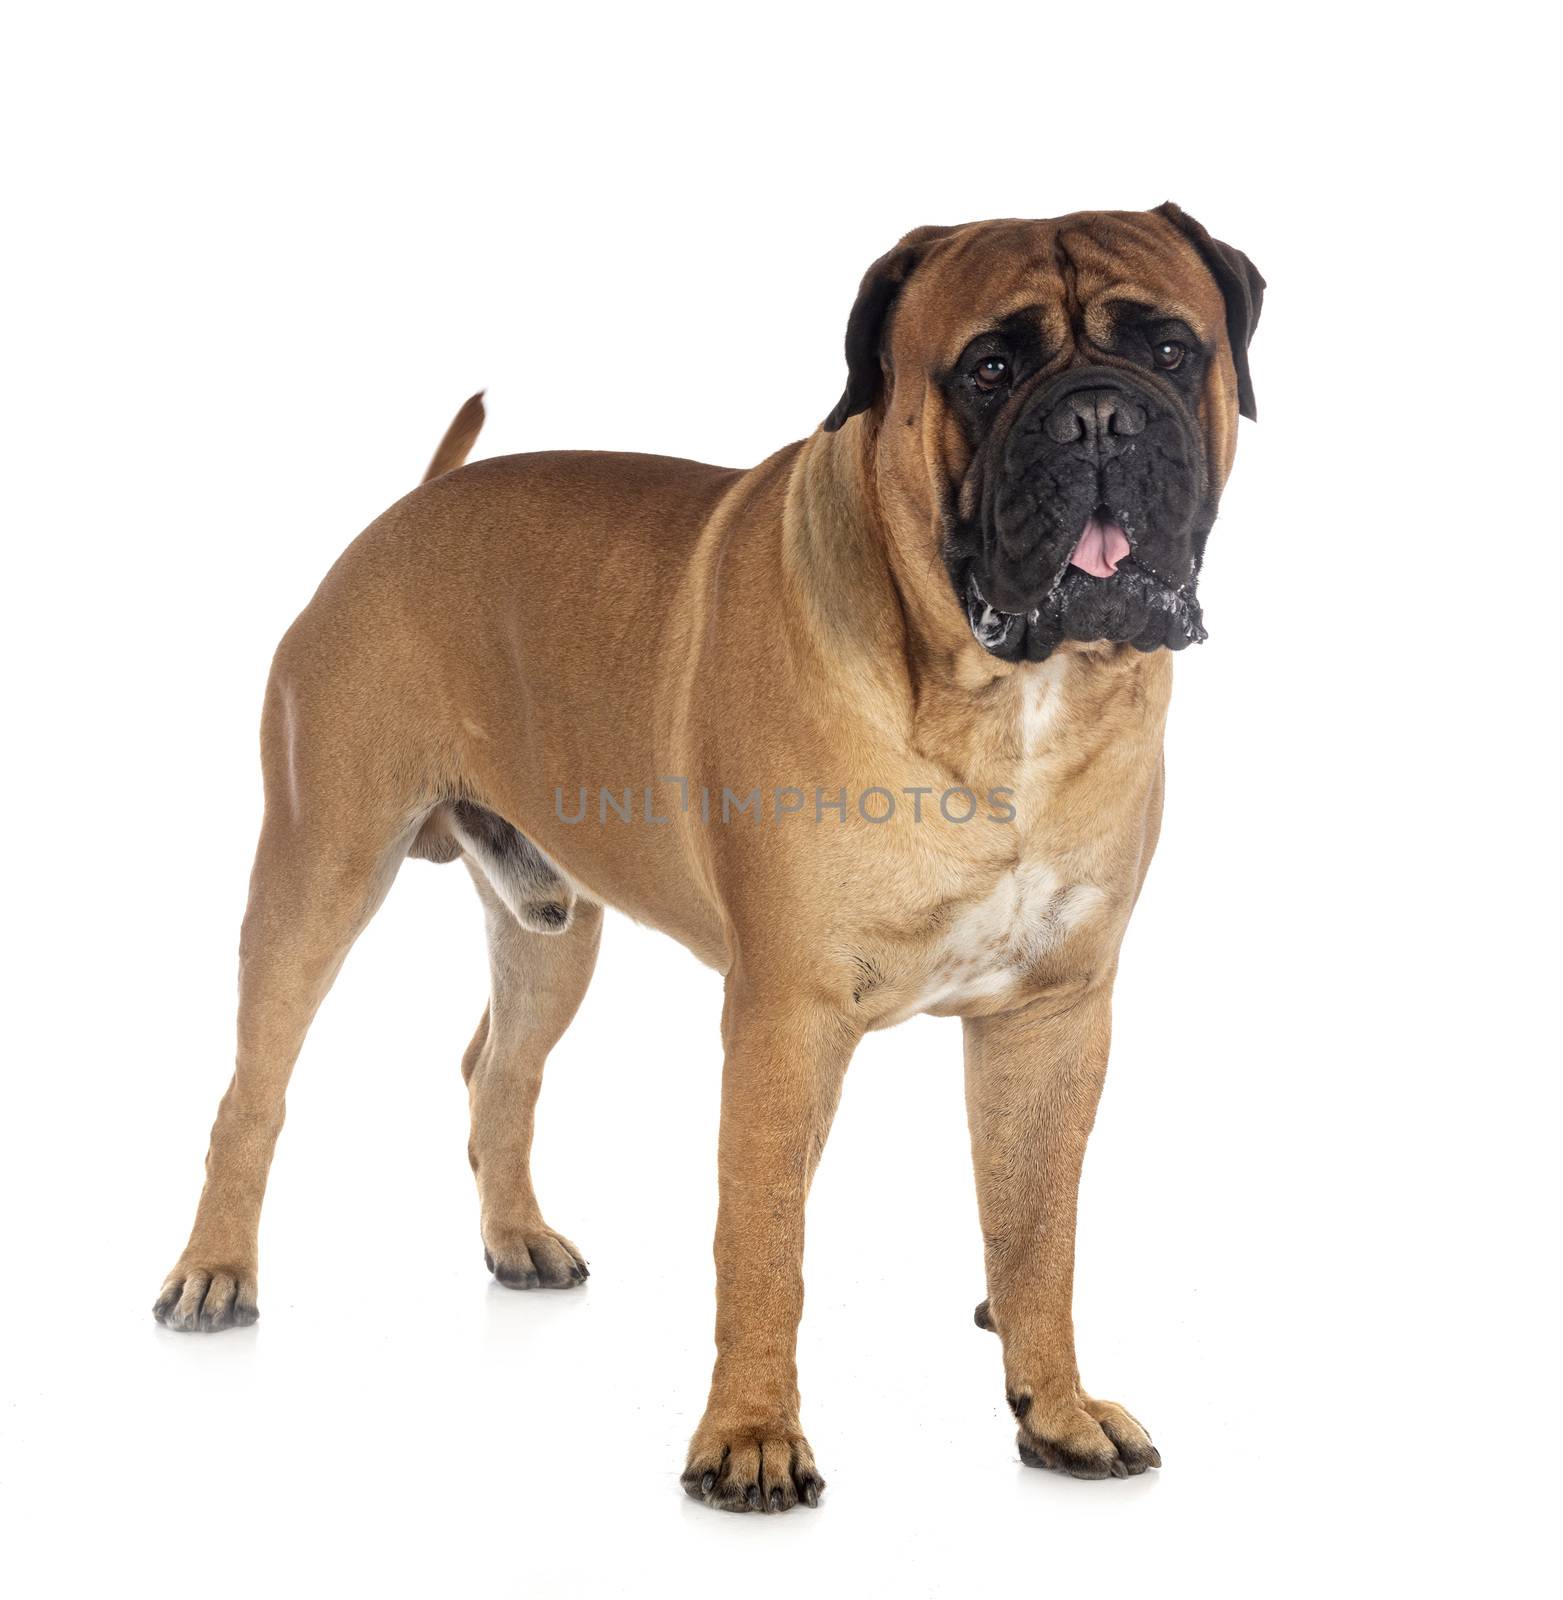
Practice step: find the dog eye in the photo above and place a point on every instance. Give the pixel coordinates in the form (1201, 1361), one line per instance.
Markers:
(1169, 355)
(992, 373)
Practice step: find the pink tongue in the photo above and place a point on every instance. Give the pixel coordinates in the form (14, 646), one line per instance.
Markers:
(1102, 546)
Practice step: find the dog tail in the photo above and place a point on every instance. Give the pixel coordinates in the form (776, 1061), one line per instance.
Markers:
(459, 438)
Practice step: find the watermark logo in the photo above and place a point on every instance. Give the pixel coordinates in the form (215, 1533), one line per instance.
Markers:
(656, 804)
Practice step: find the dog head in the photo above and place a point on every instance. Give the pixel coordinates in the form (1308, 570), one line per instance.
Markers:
(1051, 413)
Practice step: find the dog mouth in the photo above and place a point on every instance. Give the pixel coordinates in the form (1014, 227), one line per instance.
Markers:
(1101, 546)
(1101, 593)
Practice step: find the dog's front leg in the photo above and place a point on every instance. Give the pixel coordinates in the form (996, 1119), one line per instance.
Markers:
(780, 1083)
(1033, 1079)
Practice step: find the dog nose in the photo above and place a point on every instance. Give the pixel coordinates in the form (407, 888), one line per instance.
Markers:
(1095, 418)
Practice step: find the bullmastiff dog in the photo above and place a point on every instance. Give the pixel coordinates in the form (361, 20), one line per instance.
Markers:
(874, 728)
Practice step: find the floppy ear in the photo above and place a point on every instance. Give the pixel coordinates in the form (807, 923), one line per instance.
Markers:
(866, 326)
(1242, 287)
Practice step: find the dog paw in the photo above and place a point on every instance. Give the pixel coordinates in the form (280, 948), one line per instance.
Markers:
(531, 1258)
(1127, 1433)
(752, 1470)
(1086, 1438)
(197, 1299)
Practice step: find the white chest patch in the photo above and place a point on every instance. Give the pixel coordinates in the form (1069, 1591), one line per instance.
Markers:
(1041, 703)
(993, 941)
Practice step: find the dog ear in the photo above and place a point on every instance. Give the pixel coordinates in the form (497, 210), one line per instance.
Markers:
(1242, 287)
(866, 325)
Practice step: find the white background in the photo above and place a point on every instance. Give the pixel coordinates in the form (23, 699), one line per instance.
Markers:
(256, 259)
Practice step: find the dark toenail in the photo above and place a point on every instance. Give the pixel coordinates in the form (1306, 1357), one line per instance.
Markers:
(707, 1482)
(776, 1499)
(1020, 1404)
(752, 1494)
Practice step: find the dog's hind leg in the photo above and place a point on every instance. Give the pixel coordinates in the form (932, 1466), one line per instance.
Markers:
(330, 846)
(537, 981)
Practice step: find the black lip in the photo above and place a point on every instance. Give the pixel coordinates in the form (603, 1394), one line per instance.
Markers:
(1135, 606)
(996, 631)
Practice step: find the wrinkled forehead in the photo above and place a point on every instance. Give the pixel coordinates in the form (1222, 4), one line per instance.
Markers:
(1071, 272)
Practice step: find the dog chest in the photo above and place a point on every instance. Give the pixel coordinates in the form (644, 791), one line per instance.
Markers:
(993, 949)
